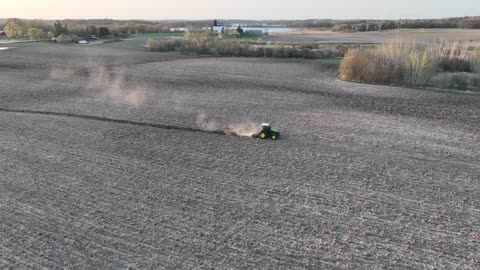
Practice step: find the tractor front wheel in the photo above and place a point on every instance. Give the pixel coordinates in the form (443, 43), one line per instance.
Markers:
(274, 137)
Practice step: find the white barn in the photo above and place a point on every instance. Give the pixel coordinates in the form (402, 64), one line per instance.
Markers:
(218, 29)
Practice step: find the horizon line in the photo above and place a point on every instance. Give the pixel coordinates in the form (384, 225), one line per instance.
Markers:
(193, 20)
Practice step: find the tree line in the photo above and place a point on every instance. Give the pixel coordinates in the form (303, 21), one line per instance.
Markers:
(376, 25)
(342, 25)
(42, 29)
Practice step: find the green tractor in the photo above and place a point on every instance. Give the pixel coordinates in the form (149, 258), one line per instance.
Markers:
(268, 132)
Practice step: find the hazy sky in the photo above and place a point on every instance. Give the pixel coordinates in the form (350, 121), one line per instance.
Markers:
(237, 9)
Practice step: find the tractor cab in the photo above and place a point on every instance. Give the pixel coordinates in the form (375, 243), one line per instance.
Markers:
(267, 132)
(266, 127)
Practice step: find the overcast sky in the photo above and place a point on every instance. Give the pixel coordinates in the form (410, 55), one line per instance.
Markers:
(237, 9)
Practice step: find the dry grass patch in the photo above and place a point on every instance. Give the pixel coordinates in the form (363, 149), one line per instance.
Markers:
(440, 64)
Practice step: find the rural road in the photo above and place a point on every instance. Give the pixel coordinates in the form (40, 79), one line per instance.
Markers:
(113, 157)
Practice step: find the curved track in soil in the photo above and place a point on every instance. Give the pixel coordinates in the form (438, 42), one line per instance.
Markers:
(117, 121)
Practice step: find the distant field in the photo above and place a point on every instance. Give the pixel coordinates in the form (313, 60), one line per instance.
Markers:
(421, 35)
(162, 35)
(242, 36)
(12, 41)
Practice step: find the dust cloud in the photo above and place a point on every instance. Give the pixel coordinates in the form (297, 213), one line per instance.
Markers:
(207, 124)
(115, 88)
(246, 129)
(111, 85)
(242, 129)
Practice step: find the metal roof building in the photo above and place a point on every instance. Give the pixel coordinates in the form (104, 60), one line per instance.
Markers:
(218, 29)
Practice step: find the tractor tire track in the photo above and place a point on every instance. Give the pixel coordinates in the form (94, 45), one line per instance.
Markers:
(118, 121)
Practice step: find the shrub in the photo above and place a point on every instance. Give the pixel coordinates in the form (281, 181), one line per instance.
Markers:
(103, 31)
(475, 82)
(64, 38)
(14, 28)
(36, 34)
(268, 52)
(417, 68)
(383, 64)
(476, 65)
(151, 43)
(212, 44)
(441, 80)
(309, 53)
(260, 52)
(407, 63)
(168, 45)
(342, 50)
(354, 65)
(447, 64)
(460, 81)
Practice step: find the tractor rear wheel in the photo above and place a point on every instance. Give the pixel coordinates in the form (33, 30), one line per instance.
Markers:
(262, 135)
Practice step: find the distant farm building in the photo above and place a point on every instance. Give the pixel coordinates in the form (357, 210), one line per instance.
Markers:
(179, 29)
(217, 27)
